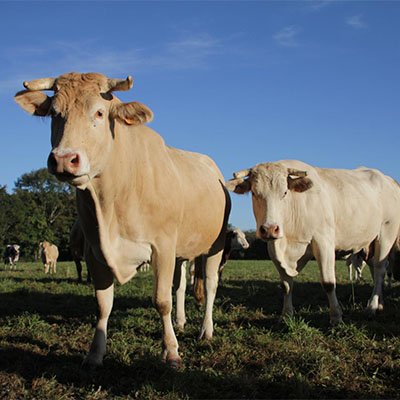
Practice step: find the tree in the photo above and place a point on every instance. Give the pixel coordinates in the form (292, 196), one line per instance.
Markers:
(43, 209)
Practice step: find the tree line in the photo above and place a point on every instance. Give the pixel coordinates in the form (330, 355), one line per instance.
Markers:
(43, 208)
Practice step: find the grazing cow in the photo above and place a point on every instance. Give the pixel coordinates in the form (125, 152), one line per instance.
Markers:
(11, 255)
(303, 211)
(77, 247)
(49, 256)
(138, 199)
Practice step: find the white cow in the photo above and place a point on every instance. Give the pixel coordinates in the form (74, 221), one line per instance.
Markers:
(303, 211)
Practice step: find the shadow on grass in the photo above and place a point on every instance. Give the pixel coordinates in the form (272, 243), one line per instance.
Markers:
(311, 303)
(64, 305)
(149, 371)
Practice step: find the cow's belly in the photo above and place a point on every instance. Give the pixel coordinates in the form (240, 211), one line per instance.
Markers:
(355, 237)
(127, 256)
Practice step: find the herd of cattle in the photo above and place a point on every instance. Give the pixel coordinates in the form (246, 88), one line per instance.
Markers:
(142, 202)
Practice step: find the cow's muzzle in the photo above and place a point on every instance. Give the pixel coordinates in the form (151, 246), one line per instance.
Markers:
(269, 232)
(66, 166)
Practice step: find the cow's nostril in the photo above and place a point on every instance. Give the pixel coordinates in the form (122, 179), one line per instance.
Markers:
(75, 160)
(52, 163)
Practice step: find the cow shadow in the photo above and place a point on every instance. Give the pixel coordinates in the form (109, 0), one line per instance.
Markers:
(150, 371)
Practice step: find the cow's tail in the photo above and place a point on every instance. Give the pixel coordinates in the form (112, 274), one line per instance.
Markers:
(394, 259)
(198, 286)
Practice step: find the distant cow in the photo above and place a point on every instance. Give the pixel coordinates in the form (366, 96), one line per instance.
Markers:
(11, 255)
(49, 256)
(303, 211)
(138, 199)
(77, 248)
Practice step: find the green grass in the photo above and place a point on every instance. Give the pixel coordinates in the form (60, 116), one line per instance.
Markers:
(46, 326)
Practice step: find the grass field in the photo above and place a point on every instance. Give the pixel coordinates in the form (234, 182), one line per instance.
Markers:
(46, 326)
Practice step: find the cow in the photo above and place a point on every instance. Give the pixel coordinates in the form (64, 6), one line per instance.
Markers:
(303, 211)
(77, 248)
(11, 255)
(138, 199)
(49, 256)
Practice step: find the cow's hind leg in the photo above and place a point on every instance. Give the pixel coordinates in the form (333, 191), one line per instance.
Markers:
(180, 289)
(210, 286)
(382, 249)
(78, 269)
(163, 269)
(104, 290)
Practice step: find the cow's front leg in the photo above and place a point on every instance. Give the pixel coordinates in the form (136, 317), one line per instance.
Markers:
(287, 288)
(325, 255)
(104, 289)
(180, 289)
(163, 268)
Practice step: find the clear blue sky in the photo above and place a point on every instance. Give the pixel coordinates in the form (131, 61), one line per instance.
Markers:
(242, 81)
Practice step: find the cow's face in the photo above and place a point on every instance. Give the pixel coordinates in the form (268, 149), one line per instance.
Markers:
(271, 185)
(83, 113)
(239, 240)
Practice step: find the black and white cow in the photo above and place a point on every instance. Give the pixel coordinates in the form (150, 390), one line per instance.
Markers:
(11, 255)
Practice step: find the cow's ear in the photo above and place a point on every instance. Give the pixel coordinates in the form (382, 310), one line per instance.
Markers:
(131, 113)
(299, 184)
(238, 185)
(35, 103)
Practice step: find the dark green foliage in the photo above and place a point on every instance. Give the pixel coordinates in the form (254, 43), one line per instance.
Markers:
(46, 329)
(41, 208)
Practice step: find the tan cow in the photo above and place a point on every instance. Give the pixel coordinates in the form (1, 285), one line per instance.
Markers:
(303, 211)
(138, 199)
(49, 256)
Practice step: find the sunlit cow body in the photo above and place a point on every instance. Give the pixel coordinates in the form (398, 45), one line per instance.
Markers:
(11, 255)
(49, 257)
(304, 211)
(138, 199)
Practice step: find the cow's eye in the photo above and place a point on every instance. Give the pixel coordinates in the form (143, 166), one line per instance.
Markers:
(284, 194)
(99, 114)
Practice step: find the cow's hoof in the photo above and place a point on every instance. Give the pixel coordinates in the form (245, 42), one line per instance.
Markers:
(175, 363)
(370, 312)
(180, 326)
(91, 364)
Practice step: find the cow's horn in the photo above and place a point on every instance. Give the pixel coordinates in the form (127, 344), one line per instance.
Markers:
(242, 173)
(40, 84)
(297, 172)
(120, 84)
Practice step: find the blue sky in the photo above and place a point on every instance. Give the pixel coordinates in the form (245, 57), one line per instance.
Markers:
(241, 81)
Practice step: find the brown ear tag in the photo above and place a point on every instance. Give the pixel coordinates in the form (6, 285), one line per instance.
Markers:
(130, 121)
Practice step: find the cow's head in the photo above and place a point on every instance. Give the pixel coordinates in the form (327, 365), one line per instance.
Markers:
(83, 112)
(271, 186)
(239, 240)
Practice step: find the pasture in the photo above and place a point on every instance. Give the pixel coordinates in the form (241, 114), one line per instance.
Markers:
(46, 326)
